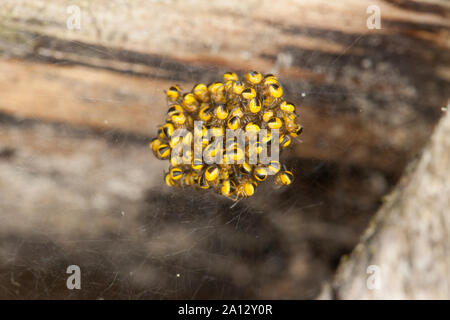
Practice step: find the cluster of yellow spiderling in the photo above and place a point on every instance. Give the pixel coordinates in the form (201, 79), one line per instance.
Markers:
(252, 105)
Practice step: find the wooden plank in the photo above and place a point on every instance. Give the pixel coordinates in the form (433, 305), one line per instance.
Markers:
(406, 243)
(362, 94)
(104, 101)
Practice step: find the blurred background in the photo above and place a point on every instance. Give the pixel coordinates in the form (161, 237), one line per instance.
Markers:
(81, 95)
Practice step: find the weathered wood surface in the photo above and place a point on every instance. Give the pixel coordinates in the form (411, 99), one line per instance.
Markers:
(409, 238)
(78, 184)
(72, 196)
(368, 92)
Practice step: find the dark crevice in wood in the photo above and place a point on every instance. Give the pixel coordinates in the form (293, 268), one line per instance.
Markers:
(419, 7)
(114, 136)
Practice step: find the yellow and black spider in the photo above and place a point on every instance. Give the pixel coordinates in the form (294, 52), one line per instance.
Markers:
(254, 106)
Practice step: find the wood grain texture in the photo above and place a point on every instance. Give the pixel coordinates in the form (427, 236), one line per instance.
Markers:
(95, 199)
(78, 107)
(366, 92)
(408, 240)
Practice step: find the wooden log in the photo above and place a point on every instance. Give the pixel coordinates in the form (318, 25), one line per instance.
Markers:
(404, 253)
